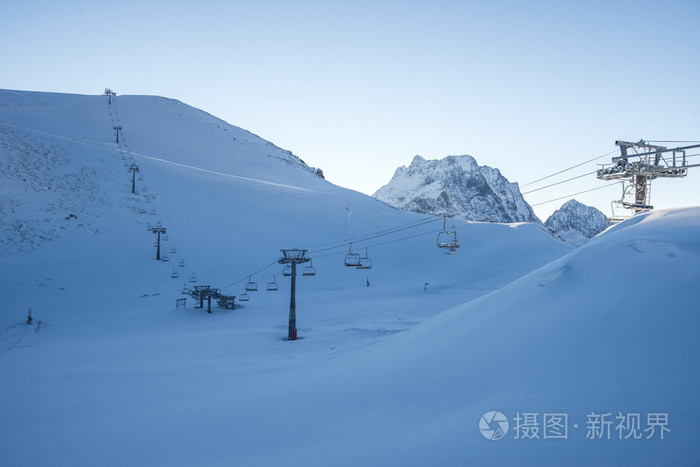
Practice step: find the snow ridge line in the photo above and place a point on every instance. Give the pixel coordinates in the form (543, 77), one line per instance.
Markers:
(158, 159)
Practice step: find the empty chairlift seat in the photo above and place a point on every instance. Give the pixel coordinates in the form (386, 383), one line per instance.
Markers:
(447, 238)
(309, 270)
(272, 285)
(251, 286)
(243, 297)
(352, 260)
(365, 261)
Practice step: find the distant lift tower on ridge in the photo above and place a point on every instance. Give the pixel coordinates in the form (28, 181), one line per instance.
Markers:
(636, 166)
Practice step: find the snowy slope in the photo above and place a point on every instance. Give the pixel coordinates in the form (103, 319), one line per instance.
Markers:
(116, 375)
(576, 223)
(565, 339)
(456, 186)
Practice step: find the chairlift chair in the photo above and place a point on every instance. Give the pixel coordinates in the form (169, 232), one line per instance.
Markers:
(272, 286)
(251, 286)
(185, 290)
(175, 274)
(365, 262)
(181, 263)
(193, 278)
(309, 270)
(164, 258)
(447, 238)
(164, 237)
(172, 250)
(352, 260)
(243, 297)
(287, 271)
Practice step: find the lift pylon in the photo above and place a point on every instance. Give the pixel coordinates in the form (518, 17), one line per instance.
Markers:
(636, 166)
(292, 257)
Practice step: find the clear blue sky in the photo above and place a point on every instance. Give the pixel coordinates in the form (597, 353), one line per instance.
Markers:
(358, 88)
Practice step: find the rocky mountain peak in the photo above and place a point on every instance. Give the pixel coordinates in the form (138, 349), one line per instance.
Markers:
(576, 223)
(456, 186)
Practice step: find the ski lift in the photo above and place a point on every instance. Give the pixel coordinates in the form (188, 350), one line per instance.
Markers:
(365, 262)
(193, 278)
(251, 286)
(153, 212)
(172, 250)
(287, 271)
(309, 270)
(352, 259)
(181, 263)
(185, 290)
(446, 238)
(165, 237)
(175, 274)
(164, 258)
(272, 286)
(243, 297)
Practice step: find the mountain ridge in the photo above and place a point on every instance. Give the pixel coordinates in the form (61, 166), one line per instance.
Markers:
(456, 186)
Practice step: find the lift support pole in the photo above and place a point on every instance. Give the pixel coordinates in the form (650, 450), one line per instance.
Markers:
(293, 257)
(157, 231)
(133, 169)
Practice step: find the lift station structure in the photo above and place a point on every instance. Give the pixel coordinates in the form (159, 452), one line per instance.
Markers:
(636, 166)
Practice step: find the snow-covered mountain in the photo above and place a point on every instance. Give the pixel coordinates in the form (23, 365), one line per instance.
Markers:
(456, 186)
(402, 372)
(576, 223)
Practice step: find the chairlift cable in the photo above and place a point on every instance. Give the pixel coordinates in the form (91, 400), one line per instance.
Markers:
(558, 183)
(574, 194)
(569, 168)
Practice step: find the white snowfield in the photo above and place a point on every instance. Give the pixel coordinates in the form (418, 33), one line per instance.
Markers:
(590, 354)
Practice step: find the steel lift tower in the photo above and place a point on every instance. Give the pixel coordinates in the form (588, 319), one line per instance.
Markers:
(293, 257)
(636, 166)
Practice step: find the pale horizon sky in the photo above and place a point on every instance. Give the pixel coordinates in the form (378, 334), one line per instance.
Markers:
(359, 88)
